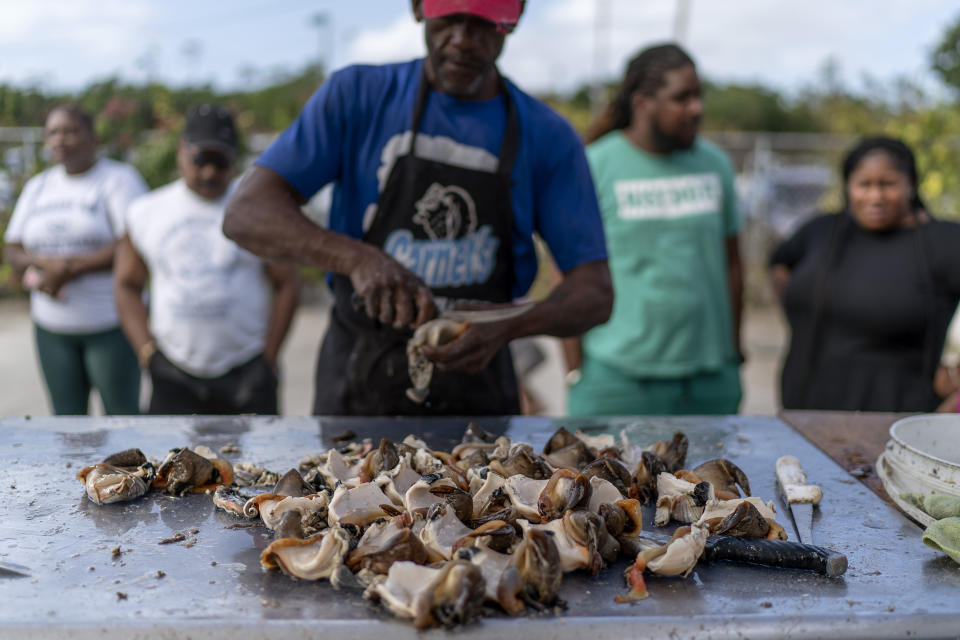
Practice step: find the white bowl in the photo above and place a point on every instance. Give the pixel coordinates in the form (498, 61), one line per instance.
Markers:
(922, 456)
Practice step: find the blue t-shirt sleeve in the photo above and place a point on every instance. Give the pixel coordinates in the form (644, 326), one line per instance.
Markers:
(567, 213)
(308, 154)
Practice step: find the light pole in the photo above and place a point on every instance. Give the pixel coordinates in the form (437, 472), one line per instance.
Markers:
(681, 21)
(191, 51)
(324, 25)
(601, 29)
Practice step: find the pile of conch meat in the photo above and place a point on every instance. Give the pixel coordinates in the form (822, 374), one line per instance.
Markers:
(441, 537)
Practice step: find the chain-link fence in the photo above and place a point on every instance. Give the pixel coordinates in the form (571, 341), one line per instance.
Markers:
(782, 180)
(19, 149)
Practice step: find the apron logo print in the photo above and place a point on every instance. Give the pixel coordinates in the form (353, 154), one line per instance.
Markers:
(446, 213)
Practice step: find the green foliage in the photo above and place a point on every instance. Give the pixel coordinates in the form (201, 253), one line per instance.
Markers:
(7, 285)
(274, 107)
(156, 159)
(727, 107)
(6, 280)
(577, 114)
(901, 110)
(945, 59)
(124, 111)
(938, 157)
(752, 108)
(141, 123)
(22, 107)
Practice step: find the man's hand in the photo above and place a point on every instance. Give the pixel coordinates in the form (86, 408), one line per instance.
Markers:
(263, 216)
(581, 301)
(391, 293)
(472, 350)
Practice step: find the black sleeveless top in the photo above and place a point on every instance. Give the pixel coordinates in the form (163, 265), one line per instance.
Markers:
(884, 315)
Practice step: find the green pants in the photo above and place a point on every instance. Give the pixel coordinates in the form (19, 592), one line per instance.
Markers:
(72, 364)
(604, 391)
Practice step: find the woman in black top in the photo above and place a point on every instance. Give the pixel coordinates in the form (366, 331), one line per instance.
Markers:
(869, 291)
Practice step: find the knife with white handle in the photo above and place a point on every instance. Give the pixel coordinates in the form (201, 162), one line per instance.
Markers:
(799, 496)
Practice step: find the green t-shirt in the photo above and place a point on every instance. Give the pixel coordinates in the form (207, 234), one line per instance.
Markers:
(666, 220)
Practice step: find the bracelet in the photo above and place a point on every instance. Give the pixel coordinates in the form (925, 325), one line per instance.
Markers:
(145, 352)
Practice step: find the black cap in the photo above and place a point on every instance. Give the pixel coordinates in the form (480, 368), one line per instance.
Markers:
(210, 125)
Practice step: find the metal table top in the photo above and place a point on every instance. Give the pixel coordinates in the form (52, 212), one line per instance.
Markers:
(211, 585)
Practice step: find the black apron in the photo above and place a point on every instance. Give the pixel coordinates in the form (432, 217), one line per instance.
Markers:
(454, 228)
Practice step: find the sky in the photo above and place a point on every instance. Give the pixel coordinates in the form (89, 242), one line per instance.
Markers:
(559, 46)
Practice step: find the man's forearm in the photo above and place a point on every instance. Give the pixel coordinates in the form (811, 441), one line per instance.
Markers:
(285, 300)
(129, 280)
(572, 352)
(264, 217)
(134, 319)
(583, 300)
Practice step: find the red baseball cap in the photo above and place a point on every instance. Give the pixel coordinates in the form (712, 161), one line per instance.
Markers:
(501, 12)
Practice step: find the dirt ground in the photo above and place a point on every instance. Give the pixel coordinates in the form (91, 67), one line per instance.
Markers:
(22, 391)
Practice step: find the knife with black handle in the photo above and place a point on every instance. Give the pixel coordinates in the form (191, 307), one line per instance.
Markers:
(784, 554)
(775, 553)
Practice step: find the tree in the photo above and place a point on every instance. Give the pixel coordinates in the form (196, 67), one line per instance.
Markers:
(751, 108)
(945, 59)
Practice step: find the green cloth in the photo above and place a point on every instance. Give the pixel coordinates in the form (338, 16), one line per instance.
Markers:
(944, 533)
(935, 505)
(666, 219)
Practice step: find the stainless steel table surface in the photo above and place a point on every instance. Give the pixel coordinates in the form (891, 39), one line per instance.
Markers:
(212, 585)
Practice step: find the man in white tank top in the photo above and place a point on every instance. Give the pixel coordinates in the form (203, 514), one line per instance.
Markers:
(217, 314)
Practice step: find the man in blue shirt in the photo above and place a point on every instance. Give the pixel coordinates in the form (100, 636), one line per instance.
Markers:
(442, 172)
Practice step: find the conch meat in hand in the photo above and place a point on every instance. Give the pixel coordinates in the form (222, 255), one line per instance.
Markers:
(434, 333)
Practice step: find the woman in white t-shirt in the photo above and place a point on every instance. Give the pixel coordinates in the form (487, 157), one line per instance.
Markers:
(60, 243)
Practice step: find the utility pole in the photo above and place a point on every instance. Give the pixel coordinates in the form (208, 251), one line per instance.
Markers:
(191, 50)
(601, 37)
(681, 21)
(324, 25)
(149, 63)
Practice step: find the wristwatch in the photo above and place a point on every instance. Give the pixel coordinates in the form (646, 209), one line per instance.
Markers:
(573, 377)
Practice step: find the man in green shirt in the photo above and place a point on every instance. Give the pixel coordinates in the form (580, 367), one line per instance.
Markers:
(669, 209)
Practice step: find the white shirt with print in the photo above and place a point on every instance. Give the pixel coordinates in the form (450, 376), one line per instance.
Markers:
(63, 215)
(210, 299)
